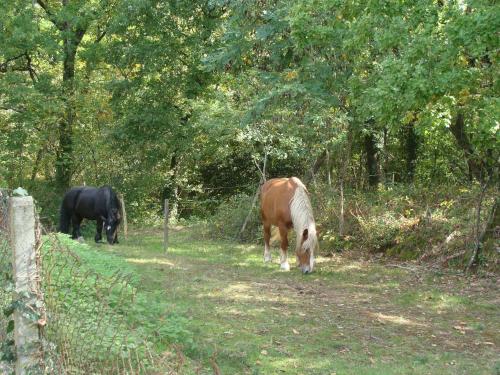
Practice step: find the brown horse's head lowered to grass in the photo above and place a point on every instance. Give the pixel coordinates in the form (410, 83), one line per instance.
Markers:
(285, 203)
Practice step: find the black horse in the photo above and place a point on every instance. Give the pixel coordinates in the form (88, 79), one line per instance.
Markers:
(85, 202)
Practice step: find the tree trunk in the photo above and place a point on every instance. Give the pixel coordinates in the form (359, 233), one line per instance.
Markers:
(457, 128)
(371, 160)
(385, 159)
(36, 166)
(411, 145)
(481, 235)
(341, 216)
(64, 162)
(64, 157)
(71, 36)
(328, 169)
(171, 189)
(318, 163)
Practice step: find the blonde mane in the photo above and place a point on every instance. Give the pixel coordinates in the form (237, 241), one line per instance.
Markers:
(302, 217)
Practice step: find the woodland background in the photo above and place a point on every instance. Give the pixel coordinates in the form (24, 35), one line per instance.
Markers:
(387, 110)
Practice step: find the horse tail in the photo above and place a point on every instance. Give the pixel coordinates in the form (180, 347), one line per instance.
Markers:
(112, 201)
(64, 219)
(120, 206)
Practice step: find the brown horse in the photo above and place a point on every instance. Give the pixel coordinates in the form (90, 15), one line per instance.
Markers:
(285, 204)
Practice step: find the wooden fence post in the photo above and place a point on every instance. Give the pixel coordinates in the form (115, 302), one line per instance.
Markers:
(165, 227)
(124, 218)
(22, 237)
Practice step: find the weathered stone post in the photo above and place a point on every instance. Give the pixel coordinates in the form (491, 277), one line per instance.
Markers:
(22, 237)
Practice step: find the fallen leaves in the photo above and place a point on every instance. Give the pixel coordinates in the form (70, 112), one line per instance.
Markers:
(462, 328)
(489, 343)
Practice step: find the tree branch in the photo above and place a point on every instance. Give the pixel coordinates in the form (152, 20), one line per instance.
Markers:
(2, 108)
(99, 38)
(30, 68)
(478, 243)
(3, 66)
(79, 33)
(50, 15)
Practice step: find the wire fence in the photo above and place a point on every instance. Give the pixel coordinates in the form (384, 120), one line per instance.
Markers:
(7, 355)
(81, 314)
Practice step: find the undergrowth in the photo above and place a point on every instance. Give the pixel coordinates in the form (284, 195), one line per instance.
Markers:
(101, 318)
(408, 223)
(405, 222)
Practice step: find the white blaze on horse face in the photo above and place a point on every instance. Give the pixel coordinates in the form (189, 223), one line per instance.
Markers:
(305, 261)
(108, 227)
(306, 268)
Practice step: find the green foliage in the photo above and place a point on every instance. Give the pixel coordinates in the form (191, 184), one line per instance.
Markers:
(229, 217)
(174, 330)
(7, 347)
(180, 100)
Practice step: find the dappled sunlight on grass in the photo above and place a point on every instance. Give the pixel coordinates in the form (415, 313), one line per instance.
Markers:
(435, 300)
(350, 267)
(163, 262)
(347, 317)
(447, 302)
(395, 319)
(283, 364)
(244, 248)
(240, 293)
(318, 259)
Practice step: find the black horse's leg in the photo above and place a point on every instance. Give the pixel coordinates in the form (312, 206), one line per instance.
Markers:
(76, 221)
(98, 233)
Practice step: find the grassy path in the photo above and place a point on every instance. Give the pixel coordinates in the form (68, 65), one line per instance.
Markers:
(348, 317)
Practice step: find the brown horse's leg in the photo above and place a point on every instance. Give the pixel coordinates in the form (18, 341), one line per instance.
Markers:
(284, 248)
(267, 237)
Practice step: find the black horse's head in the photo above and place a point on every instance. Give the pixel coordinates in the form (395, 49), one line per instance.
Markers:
(111, 225)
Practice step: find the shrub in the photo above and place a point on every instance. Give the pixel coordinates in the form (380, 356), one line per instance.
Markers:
(229, 217)
(405, 221)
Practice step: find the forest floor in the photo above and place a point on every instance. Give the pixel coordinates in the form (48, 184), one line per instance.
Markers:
(348, 317)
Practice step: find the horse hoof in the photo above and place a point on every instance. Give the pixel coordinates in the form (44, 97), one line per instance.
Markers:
(285, 266)
(267, 258)
(81, 239)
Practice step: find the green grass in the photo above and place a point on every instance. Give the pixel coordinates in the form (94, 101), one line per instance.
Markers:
(218, 301)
